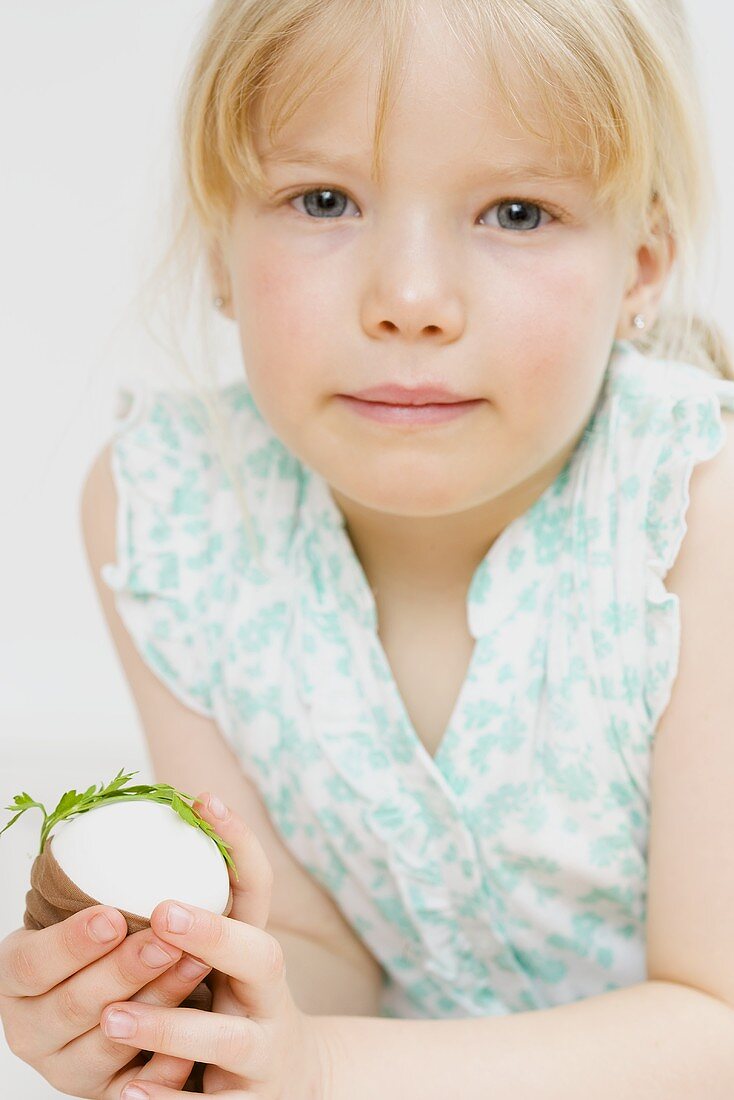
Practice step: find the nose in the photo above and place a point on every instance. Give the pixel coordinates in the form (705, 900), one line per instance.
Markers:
(414, 295)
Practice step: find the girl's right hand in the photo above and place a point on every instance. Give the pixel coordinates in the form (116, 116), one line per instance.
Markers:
(56, 981)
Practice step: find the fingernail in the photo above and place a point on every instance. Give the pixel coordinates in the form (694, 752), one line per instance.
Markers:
(190, 968)
(178, 919)
(102, 929)
(132, 1092)
(120, 1025)
(154, 955)
(217, 807)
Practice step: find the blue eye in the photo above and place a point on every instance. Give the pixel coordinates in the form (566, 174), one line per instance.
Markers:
(322, 203)
(332, 205)
(518, 213)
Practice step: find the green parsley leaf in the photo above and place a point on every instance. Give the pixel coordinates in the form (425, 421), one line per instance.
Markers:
(72, 803)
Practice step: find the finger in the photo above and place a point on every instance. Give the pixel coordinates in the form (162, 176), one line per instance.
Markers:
(100, 1055)
(163, 1071)
(251, 958)
(252, 891)
(159, 1092)
(75, 1005)
(235, 1043)
(175, 984)
(33, 961)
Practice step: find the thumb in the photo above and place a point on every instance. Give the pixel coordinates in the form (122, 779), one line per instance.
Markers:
(253, 884)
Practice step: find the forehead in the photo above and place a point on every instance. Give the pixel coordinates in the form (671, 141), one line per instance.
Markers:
(446, 110)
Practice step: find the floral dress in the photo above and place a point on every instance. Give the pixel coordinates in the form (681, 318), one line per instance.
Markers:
(508, 872)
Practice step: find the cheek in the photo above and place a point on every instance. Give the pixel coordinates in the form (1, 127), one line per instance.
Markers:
(292, 299)
(555, 353)
(287, 308)
(275, 301)
(273, 321)
(572, 296)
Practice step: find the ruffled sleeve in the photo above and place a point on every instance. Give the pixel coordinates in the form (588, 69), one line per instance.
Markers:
(163, 467)
(687, 429)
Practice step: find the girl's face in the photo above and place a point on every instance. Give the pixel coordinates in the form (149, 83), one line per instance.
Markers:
(434, 277)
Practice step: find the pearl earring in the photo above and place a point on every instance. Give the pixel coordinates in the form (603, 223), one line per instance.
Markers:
(219, 302)
(638, 320)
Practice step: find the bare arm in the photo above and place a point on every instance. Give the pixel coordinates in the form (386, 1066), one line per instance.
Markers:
(324, 982)
(647, 1041)
(329, 968)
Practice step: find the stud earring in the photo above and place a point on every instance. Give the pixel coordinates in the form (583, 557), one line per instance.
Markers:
(219, 302)
(638, 320)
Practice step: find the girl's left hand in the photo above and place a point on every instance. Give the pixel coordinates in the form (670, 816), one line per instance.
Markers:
(256, 1040)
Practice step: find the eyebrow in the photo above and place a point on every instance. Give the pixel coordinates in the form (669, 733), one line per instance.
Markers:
(498, 170)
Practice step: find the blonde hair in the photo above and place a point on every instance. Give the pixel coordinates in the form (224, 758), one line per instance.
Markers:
(615, 79)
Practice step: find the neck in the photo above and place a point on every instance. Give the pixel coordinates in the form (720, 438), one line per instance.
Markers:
(436, 556)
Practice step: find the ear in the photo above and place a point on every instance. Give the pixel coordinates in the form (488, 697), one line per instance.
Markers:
(650, 267)
(220, 278)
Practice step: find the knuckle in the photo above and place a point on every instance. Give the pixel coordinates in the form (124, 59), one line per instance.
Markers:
(219, 934)
(69, 1008)
(172, 1034)
(74, 940)
(130, 969)
(24, 968)
(232, 1043)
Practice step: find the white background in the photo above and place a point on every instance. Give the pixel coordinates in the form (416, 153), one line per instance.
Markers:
(86, 98)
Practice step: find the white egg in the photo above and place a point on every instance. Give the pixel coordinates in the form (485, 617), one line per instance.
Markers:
(133, 855)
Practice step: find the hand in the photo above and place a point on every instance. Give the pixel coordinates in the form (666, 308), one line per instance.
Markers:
(54, 984)
(256, 1041)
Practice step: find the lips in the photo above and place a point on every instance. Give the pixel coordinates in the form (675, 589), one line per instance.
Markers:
(394, 394)
(407, 416)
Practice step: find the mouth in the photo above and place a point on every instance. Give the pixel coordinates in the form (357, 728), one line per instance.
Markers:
(390, 412)
(405, 396)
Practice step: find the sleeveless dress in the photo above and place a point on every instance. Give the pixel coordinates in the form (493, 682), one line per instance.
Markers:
(507, 873)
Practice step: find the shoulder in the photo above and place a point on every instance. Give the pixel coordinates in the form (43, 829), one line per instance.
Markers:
(708, 523)
(157, 540)
(148, 489)
(710, 512)
(177, 509)
(180, 465)
(702, 577)
(666, 440)
(658, 420)
(692, 812)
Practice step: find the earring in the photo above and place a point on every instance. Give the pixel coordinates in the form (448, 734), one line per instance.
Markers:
(219, 302)
(638, 320)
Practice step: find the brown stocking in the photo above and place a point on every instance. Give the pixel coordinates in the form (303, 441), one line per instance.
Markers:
(53, 897)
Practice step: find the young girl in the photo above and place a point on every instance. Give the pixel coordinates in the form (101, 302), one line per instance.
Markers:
(483, 568)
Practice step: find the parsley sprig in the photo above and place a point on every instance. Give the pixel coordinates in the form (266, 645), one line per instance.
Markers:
(116, 791)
